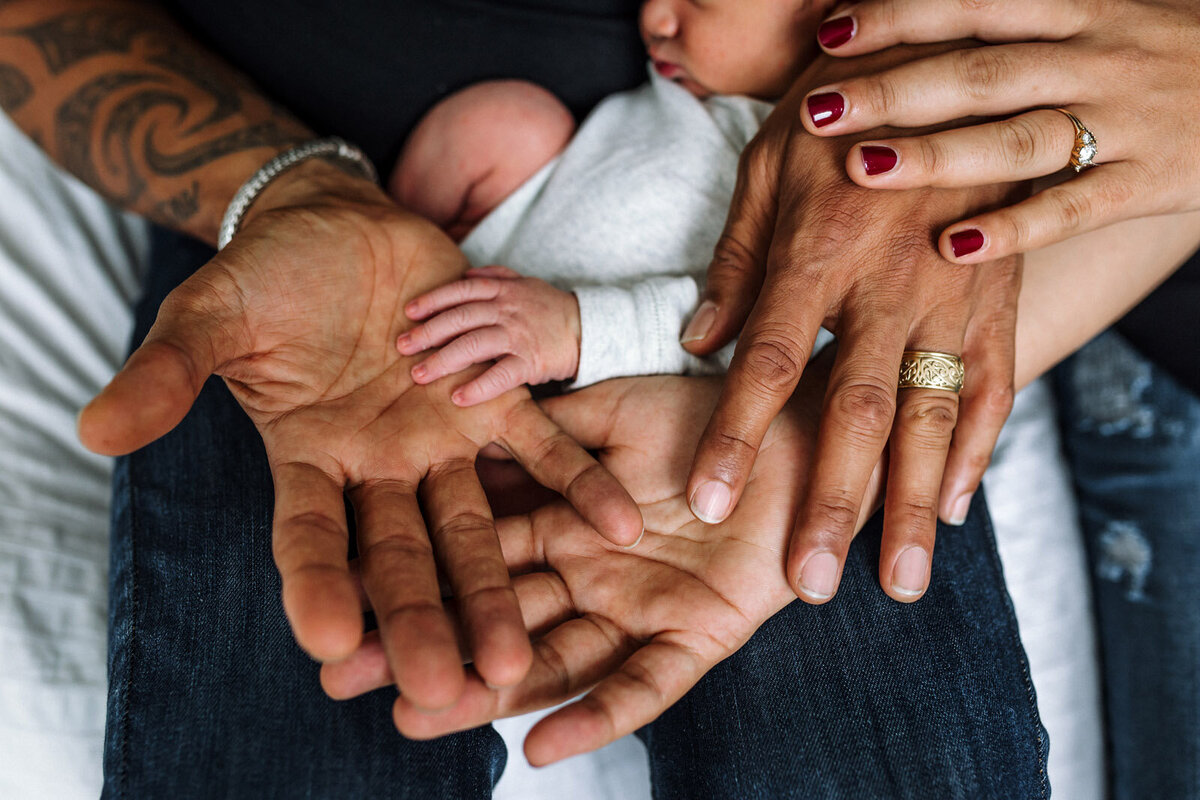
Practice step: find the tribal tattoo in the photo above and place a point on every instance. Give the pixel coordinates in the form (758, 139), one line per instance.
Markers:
(141, 112)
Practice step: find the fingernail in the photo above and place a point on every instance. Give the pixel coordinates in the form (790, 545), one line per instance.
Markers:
(411, 309)
(402, 342)
(966, 242)
(878, 159)
(701, 323)
(818, 577)
(958, 513)
(908, 576)
(641, 536)
(826, 108)
(419, 372)
(710, 502)
(836, 32)
(458, 398)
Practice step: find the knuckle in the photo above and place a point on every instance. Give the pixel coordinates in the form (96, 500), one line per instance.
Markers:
(772, 364)
(833, 514)
(982, 71)
(867, 407)
(931, 418)
(879, 94)
(1020, 142)
(997, 399)
(463, 526)
(1072, 210)
(931, 155)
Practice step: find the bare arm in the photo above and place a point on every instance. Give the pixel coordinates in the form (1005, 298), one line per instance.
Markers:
(117, 93)
(1074, 289)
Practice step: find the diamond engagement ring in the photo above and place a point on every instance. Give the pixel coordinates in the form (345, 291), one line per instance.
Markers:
(1083, 155)
(921, 369)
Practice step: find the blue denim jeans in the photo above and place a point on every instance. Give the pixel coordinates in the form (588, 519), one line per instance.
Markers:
(861, 698)
(1132, 436)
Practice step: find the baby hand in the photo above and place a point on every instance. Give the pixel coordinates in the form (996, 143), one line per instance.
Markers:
(494, 313)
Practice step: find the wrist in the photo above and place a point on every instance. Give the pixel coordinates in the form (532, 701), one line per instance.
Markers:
(574, 334)
(316, 181)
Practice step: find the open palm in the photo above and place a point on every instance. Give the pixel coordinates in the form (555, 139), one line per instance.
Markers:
(299, 315)
(645, 624)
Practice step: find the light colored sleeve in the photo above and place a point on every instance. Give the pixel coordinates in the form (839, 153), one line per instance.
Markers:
(635, 329)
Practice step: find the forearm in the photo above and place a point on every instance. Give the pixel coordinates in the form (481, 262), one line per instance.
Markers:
(1074, 289)
(118, 94)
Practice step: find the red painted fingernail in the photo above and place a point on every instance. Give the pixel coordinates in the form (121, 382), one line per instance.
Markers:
(878, 159)
(836, 32)
(826, 108)
(966, 242)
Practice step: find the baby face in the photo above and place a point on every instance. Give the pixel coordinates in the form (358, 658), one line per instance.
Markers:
(752, 47)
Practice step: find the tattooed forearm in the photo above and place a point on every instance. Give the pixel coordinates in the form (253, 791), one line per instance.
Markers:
(15, 88)
(135, 109)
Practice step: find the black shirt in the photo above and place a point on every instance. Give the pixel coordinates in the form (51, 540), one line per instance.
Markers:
(368, 69)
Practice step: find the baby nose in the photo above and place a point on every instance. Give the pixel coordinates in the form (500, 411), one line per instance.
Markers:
(659, 18)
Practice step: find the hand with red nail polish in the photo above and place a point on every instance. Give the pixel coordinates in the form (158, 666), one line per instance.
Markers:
(1143, 114)
(804, 247)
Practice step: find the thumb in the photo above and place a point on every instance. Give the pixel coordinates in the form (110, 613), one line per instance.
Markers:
(155, 389)
(589, 415)
(735, 275)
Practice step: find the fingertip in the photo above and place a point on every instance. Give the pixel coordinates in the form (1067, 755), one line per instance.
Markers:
(327, 625)
(145, 400)
(836, 31)
(910, 575)
(565, 733)
(712, 501)
(967, 245)
(815, 580)
(505, 664)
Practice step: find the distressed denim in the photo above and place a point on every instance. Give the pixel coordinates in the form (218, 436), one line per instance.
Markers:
(1132, 436)
(859, 699)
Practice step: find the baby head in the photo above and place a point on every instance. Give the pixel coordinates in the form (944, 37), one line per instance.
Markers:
(751, 47)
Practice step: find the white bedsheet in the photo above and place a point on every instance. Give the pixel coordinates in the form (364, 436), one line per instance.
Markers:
(68, 276)
(69, 270)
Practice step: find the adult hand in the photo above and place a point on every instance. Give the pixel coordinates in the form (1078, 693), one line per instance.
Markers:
(827, 252)
(644, 624)
(299, 315)
(1126, 68)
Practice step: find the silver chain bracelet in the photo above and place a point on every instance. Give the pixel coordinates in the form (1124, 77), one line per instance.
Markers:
(331, 148)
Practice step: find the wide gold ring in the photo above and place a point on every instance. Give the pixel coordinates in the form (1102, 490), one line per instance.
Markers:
(1083, 155)
(921, 369)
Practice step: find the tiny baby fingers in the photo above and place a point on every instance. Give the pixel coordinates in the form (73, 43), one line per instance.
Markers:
(493, 271)
(874, 25)
(1026, 146)
(473, 347)
(446, 325)
(452, 294)
(507, 374)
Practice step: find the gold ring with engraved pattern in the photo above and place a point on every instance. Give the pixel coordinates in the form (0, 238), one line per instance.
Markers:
(922, 369)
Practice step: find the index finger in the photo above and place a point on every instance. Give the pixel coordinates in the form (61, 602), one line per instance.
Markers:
(875, 25)
(766, 367)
